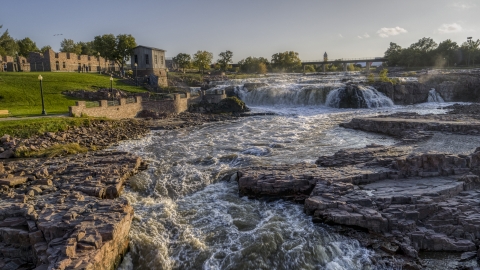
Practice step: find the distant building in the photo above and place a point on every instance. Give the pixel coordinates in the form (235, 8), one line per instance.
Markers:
(325, 57)
(68, 62)
(149, 62)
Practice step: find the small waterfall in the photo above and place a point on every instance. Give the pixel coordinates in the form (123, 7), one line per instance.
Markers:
(434, 96)
(353, 96)
(290, 94)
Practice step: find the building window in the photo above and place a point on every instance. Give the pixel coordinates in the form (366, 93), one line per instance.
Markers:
(64, 65)
(156, 59)
(57, 65)
(147, 60)
(56, 55)
(136, 59)
(89, 58)
(68, 55)
(161, 59)
(79, 58)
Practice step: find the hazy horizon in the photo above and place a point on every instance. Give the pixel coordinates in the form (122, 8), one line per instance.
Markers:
(248, 28)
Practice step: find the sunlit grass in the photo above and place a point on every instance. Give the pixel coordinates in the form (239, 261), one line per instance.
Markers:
(20, 91)
(52, 151)
(25, 128)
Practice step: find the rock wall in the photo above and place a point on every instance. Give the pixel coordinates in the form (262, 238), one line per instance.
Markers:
(124, 110)
(452, 87)
(168, 106)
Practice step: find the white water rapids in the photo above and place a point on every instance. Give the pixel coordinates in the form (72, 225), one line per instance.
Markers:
(186, 217)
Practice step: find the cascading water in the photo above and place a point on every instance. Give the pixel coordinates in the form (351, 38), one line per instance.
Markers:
(357, 97)
(434, 96)
(187, 217)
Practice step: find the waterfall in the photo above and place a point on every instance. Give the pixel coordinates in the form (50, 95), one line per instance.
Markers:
(433, 96)
(353, 96)
(290, 94)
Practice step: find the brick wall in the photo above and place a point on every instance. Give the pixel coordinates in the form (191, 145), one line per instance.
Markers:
(66, 62)
(124, 110)
(161, 73)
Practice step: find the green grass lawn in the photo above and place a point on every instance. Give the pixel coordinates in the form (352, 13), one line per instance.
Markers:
(20, 91)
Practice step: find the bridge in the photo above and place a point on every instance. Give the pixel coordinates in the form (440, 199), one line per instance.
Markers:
(345, 62)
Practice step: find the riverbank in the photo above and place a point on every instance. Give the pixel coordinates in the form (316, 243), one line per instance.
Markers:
(399, 200)
(64, 211)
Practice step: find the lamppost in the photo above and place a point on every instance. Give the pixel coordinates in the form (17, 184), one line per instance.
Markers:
(40, 78)
(99, 68)
(136, 81)
(111, 87)
(469, 40)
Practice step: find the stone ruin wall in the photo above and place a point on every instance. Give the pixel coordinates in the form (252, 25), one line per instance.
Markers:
(67, 62)
(161, 73)
(169, 106)
(124, 110)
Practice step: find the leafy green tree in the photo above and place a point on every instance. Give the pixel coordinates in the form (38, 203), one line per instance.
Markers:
(423, 51)
(287, 61)
(309, 68)
(123, 49)
(68, 45)
(447, 50)
(225, 60)
(393, 54)
(202, 60)
(254, 65)
(86, 48)
(470, 50)
(105, 45)
(25, 46)
(183, 60)
(46, 47)
(8, 46)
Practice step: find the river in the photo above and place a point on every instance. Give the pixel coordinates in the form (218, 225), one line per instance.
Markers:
(187, 217)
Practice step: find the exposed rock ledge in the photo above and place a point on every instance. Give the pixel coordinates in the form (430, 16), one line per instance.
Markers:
(416, 202)
(64, 213)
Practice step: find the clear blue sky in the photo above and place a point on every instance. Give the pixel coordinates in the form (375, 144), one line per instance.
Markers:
(343, 28)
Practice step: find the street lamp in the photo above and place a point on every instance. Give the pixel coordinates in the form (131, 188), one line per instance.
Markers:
(469, 40)
(99, 68)
(136, 81)
(111, 86)
(40, 78)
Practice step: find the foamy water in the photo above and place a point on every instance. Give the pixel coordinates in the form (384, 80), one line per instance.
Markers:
(187, 217)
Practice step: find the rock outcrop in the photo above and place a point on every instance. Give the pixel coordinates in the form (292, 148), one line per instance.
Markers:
(64, 213)
(408, 202)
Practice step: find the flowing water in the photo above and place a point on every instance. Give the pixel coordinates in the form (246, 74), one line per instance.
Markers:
(188, 215)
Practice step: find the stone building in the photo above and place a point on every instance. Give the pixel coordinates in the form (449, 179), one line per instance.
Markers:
(149, 62)
(10, 63)
(68, 62)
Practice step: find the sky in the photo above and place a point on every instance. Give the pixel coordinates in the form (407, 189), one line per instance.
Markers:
(258, 28)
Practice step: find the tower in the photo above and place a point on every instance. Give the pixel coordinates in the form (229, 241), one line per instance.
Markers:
(325, 57)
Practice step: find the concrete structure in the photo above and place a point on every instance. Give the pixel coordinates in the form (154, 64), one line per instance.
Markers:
(124, 110)
(344, 61)
(148, 61)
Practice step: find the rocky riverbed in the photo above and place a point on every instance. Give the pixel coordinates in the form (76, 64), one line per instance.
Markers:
(399, 201)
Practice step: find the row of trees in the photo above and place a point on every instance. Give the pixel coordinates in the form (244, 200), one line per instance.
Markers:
(426, 52)
(11, 47)
(288, 61)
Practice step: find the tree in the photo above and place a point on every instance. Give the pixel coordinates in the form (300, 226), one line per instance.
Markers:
(286, 61)
(225, 60)
(393, 54)
(447, 50)
(183, 60)
(124, 45)
(25, 46)
(8, 46)
(68, 45)
(254, 65)
(86, 48)
(105, 45)
(423, 50)
(46, 47)
(202, 60)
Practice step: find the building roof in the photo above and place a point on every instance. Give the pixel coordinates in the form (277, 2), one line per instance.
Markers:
(152, 48)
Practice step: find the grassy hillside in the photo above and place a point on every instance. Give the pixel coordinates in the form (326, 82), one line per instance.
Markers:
(20, 91)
